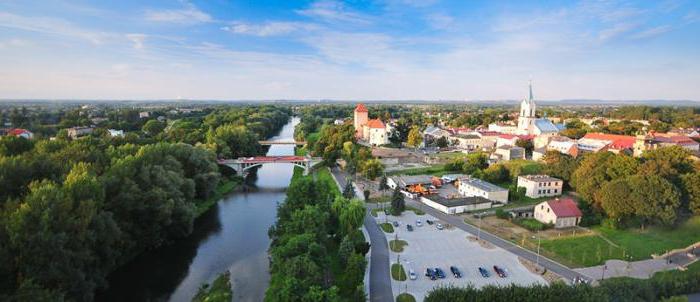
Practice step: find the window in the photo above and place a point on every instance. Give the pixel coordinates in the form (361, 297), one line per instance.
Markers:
(549, 191)
(548, 210)
(555, 190)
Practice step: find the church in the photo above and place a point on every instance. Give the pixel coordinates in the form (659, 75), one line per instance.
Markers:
(529, 124)
(373, 131)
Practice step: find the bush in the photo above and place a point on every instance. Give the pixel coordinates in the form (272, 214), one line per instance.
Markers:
(532, 224)
(500, 213)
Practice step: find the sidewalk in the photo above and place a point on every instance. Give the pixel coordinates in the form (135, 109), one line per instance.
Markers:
(643, 269)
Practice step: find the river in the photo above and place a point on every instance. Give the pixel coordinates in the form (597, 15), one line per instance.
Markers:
(230, 236)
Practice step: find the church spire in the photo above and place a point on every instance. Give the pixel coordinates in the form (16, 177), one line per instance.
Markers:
(531, 98)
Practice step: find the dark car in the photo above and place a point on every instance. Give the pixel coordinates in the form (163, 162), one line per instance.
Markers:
(395, 223)
(455, 272)
(484, 272)
(430, 273)
(409, 227)
(440, 274)
(499, 271)
(428, 221)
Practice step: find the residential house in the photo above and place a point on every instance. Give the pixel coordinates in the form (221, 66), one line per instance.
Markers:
(77, 132)
(19, 132)
(596, 142)
(507, 152)
(116, 133)
(561, 213)
(537, 186)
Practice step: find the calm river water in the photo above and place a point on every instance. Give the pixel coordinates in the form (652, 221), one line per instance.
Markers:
(231, 236)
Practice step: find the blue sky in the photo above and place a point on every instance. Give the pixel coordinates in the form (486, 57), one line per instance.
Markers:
(384, 49)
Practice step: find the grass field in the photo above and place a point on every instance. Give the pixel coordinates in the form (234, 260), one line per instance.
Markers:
(633, 244)
(387, 227)
(397, 272)
(397, 246)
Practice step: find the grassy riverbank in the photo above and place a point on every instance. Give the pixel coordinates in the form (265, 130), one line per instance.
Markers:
(225, 187)
(218, 291)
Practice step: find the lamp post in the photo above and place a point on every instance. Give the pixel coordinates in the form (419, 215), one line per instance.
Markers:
(478, 234)
(538, 248)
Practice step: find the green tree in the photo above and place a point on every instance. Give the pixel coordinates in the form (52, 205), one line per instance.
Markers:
(591, 174)
(351, 216)
(372, 168)
(398, 204)
(234, 141)
(348, 191)
(12, 145)
(153, 127)
(691, 191)
(442, 142)
(559, 165)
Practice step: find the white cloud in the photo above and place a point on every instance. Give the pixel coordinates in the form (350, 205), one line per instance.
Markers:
(50, 26)
(652, 32)
(440, 21)
(137, 39)
(267, 29)
(190, 14)
(334, 11)
(691, 17)
(616, 31)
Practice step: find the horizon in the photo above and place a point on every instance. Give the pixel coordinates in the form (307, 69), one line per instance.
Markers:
(390, 50)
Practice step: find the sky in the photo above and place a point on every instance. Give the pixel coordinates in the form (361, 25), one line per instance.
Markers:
(349, 50)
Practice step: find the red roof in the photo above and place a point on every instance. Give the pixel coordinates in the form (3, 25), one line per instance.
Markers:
(361, 108)
(18, 131)
(375, 123)
(564, 207)
(617, 141)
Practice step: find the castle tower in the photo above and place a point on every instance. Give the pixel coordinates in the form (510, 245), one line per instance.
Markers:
(527, 113)
(360, 119)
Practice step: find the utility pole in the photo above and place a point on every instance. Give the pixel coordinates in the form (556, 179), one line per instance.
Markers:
(478, 234)
(538, 248)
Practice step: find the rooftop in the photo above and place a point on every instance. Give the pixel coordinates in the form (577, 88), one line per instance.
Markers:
(361, 108)
(455, 202)
(564, 207)
(480, 184)
(540, 178)
(407, 180)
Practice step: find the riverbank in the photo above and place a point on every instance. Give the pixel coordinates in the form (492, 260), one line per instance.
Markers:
(225, 187)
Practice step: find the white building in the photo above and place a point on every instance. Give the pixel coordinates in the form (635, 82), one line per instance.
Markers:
(375, 132)
(561, 213)
(537, 186)
(528, 123)
(116, 133)
(469, 187)
(510, 152)
(456, 205)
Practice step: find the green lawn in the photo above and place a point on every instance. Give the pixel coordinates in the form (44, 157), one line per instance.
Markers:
(397, 272)
(636, 244)
(581, 251)
(387, 227)
(405, 297)
(397, 245)
(375, 211)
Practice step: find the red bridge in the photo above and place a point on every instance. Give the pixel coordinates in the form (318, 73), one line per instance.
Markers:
(242, 164)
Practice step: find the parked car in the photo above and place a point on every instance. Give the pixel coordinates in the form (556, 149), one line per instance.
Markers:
(430, 273)
(484, 272)
(428, 221)
(440, 274)
(418, 223)
(409, 227)
(395, 223)
(439, 226)
(447, 179)
(412, 274)
(455, 272)
(499, 271)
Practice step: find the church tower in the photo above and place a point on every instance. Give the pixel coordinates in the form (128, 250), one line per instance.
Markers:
(360, 119)
(527, 113)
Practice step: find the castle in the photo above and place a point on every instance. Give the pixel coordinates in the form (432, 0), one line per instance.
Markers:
(373, 131)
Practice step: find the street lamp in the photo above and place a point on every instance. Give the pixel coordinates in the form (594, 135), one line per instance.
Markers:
(538, 248)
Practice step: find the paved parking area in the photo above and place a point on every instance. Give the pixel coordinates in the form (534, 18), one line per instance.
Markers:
(430, 247)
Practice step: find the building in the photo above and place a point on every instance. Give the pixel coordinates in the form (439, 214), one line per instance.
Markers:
(469, 142)
(508, 152)
(19, 132)
(76, 132)
(404, 181)
(564, 145)
(654, 140)
(432, 134)
(505, 128)
(537, 186)
(375, 132)
(116, 133)
(456, 205)
(538, 153)
(511, 139)
(596, 142)
(561, 213)
(468, 186)
(144, 114)
(528, 123)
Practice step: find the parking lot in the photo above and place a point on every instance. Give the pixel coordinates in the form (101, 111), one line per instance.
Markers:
(430, 247)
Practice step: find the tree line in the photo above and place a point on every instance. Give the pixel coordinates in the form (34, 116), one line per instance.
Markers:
(72, 211)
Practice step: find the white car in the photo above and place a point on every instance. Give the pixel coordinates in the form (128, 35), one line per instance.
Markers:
(412, 274)
(419, 223)
(439, 226)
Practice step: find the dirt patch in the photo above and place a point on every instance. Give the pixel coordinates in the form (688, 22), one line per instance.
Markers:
(549, 276)
(483, 243)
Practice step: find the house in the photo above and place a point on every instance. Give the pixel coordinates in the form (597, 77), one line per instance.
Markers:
(537, 186)
(116, 133)
(457, 205)
(19, 132)
(76, 132)
(468, 186)
(564, 145)
(654, 140)
(339, 122)
(511, 139)
(596, 142)
(538, 153)
(375, 132)
(505, 128)
(144, 114)
(468, 142)
(562, 213)
(508, 152)
(432, 133)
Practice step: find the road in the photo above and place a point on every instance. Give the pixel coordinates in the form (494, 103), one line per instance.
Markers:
(458, 221)
(379, 278)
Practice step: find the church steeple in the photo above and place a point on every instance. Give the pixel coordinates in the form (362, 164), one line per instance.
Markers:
(531, 98)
